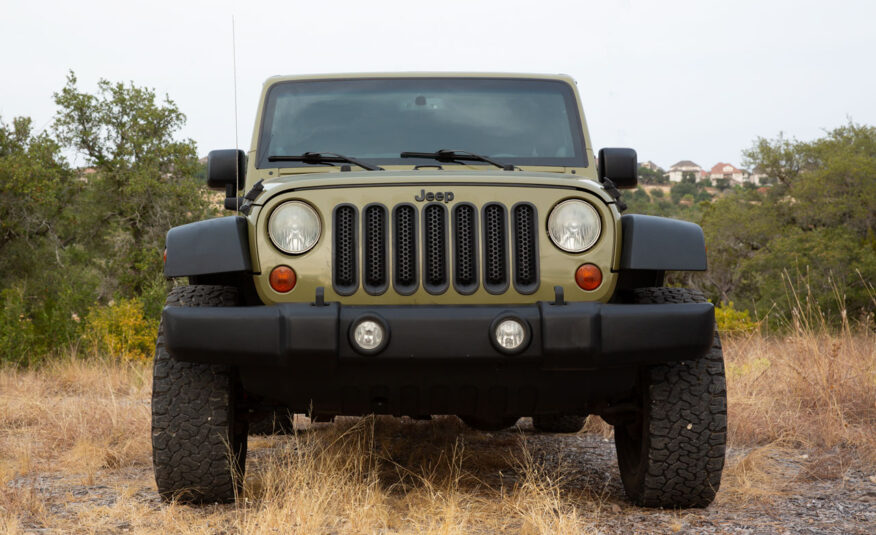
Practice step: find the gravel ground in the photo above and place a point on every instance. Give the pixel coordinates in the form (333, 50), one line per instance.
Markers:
(843, 503)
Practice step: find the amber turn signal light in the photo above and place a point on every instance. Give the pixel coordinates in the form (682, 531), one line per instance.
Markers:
(283, 279)
(588, 277)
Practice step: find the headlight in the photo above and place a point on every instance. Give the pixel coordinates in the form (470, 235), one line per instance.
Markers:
(574, 226)
(294, 227)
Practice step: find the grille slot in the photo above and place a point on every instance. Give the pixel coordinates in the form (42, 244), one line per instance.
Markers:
(495, 248)
(344, 251)
(465, 252)
(435, 249)
(374, 254)
(405, 249)
(432, 244)
(525, 242)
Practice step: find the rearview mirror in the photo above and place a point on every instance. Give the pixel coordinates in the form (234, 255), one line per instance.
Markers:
(621, 166)
(226, 168)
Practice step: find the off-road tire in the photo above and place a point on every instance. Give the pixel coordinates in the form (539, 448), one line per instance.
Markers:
(559, 423)
(672, 456)
(198, 439)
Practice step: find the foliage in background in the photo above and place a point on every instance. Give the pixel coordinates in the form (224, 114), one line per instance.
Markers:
(812, 233)
(651, 176)
(683, 200)
(143, 182)
(730, 320)
(72, 240)
(121, 329)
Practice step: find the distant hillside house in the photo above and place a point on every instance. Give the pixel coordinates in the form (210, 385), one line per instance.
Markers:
(651, 166)
(729, 172)
(84, 173)
(759, 176)
(685, 168)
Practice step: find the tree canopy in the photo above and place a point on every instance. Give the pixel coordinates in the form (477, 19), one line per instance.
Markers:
(142, 183)
(813, 232)
(70, 238)
(807, 241)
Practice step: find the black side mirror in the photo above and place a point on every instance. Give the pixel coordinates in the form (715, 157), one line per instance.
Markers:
(226, 168)
(621, 166)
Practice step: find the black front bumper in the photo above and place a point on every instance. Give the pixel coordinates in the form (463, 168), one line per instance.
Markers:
(571, 336)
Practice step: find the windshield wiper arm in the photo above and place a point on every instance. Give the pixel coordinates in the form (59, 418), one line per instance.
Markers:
(445, 155)
(323, 157)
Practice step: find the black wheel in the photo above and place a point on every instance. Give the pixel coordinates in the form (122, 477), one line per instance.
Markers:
(559, 423)
(673, 454)
(198, 439)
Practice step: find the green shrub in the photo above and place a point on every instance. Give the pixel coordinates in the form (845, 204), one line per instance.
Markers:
(40, 318)
(19, 340)
(121, 330)
(733, 321)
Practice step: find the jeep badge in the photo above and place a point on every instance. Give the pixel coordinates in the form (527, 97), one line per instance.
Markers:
(445, 196)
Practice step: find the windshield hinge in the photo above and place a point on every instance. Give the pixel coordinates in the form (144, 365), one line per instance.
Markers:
(612, 190)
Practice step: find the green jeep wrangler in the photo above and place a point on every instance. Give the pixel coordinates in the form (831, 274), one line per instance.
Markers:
(418, 244)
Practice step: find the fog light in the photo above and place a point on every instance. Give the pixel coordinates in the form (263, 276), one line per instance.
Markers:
(369, 335)
(509, 334)
(283, 279)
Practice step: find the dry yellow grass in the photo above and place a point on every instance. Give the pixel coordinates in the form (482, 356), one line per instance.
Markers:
(803, 406)
(807, 389)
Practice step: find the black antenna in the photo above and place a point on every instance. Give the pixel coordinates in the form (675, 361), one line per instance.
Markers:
(236, 143)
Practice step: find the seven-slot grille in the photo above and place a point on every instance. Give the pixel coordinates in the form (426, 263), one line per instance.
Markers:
(433, 246)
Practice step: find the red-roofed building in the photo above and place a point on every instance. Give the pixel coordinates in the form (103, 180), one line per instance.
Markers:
(730, 172)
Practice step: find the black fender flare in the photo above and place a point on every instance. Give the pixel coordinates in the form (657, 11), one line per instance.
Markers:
(661, 244)
(208, 247)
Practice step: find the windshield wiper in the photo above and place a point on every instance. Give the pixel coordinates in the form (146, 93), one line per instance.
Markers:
(323, 157)
(445, 155)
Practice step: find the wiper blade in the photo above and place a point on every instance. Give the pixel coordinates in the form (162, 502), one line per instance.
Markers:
(445, 155)
(323, 157)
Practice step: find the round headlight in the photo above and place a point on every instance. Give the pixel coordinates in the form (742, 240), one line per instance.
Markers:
(294, 227)
(574, 226)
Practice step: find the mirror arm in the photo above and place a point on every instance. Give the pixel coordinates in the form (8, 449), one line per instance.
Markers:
(232, 202)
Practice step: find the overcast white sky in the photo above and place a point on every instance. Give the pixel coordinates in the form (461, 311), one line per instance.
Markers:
(675, 80)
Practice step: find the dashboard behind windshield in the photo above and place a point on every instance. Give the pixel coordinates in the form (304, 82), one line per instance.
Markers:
(517, 121)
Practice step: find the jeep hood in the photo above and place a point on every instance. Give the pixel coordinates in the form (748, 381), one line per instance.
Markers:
(360, 179)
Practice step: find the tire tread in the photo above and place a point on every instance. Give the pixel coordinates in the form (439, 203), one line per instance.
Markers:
(193, 424)
(687, 423)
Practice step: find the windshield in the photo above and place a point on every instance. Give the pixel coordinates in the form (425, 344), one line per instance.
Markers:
(516, 121)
